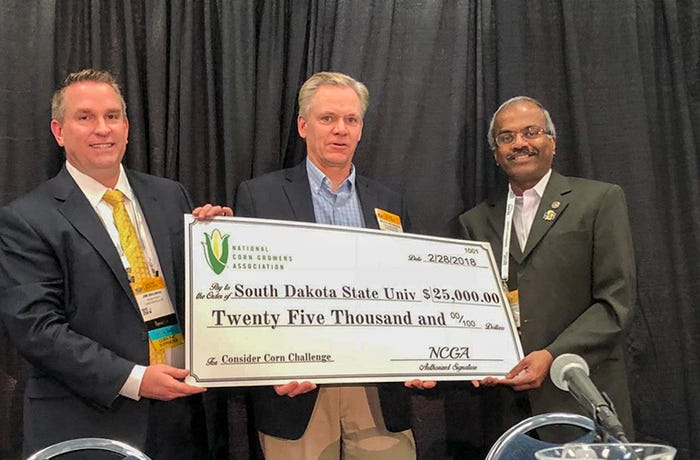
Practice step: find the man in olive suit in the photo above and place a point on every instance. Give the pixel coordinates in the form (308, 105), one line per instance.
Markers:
(570, 270)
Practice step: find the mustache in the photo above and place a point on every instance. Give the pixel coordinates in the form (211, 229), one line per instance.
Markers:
(522, 151)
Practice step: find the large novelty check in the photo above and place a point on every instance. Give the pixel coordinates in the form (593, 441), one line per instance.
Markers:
(271, 301)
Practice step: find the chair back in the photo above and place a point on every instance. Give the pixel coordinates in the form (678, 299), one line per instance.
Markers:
(515, 444)
(73, 445)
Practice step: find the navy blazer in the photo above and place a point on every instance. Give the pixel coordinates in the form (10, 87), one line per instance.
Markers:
(286, 195)
(68, 308)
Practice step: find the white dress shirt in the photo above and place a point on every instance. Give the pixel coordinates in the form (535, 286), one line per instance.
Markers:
(93, 191)
(526, 208)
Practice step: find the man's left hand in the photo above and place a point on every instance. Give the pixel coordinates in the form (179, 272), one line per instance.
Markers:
(526, 375)
(530, 372)
(211, 210)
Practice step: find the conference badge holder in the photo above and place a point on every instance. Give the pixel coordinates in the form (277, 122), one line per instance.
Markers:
(388, 222)
(157, 312)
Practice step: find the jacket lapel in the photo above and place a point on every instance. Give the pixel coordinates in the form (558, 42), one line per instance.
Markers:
(78, 211)
(496, 216)
(547, 215)
(158, 226)
(298, 193)
(368, 201)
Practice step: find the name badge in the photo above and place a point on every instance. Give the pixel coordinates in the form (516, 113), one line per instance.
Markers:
(157, 312)
(387, 221)
(514, 303)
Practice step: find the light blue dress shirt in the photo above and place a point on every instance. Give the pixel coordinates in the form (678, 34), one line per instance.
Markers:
(339, 207)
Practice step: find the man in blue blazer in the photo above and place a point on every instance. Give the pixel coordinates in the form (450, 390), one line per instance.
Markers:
(569, 268)
(299, 420)
(65, 293)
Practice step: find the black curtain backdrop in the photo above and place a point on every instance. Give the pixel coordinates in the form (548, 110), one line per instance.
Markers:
(211, 92)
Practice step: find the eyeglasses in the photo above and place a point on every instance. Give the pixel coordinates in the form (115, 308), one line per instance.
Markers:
(528, 133)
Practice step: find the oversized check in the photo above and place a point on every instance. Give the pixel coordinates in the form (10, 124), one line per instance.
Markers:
(274, 301)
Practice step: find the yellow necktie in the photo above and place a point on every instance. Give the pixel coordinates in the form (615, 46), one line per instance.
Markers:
(129, 240)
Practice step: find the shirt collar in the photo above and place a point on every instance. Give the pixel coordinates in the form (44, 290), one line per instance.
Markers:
(94, 190)
(540, 187)
(317, 179)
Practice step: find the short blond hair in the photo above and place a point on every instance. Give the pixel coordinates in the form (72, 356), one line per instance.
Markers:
(319, 79)
(98, 76)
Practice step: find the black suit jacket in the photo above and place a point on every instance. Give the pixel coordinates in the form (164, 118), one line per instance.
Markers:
(286, 195)
(67, 305)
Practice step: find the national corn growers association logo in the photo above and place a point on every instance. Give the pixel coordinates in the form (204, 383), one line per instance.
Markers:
(216, 250)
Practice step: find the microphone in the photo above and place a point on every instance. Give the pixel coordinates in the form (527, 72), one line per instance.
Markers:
(569, 372)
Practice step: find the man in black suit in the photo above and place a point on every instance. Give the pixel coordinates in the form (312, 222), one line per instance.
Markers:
(68, 293)
(298, 420)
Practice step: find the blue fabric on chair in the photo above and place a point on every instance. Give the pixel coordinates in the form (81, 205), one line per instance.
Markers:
(516, 444)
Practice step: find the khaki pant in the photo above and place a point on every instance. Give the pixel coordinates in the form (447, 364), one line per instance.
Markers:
(347, 424)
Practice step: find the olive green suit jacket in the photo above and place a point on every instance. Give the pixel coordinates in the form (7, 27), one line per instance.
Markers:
(576, 281)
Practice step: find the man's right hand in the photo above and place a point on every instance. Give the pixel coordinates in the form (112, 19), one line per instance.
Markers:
(295, 388)
(165, 383)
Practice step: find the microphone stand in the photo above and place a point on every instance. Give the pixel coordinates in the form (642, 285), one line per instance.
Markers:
(603, 435)
(605, 411)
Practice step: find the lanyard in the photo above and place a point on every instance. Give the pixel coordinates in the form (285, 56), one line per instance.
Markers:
(505, 252)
